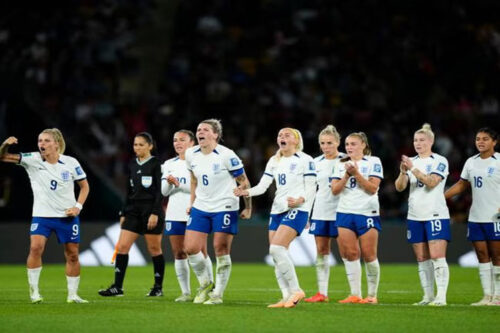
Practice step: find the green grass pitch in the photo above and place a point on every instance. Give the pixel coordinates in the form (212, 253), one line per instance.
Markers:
(250, 289)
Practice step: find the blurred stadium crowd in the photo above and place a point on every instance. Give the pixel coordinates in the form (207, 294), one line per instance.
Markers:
(382, 67)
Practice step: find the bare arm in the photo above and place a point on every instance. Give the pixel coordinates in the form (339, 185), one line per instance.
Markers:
(244, 184)
(339, 184)
(194, 184)
(4, 148)
(402, 180)
(457, 188)
(430, 181)
(82, 197)
(370, 185)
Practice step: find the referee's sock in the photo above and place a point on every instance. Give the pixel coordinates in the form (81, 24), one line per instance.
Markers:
(159, 269)
(121, 264)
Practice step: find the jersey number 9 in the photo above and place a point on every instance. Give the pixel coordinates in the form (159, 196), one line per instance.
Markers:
(53, 185)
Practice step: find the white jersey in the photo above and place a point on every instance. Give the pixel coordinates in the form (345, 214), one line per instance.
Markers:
(178, 197)
(215, 173)
(354, 199)
(289, 174)
(52, 184)
(484, 178)
(325, 204)
(425, 203)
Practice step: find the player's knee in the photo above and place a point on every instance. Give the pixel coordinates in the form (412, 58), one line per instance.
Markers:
(323, 250)
(351, 254)
(179, 254)
(36, 250)
(71, 257)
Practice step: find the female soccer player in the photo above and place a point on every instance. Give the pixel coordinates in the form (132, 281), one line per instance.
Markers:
(356, 180)
(295, 176)
(482, 173)
(142, 214)
(214, 207)
(324, 212)
(176, 184)
(55, 209)
(428, 217)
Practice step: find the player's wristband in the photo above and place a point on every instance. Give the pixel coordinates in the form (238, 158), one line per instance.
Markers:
(79, 206)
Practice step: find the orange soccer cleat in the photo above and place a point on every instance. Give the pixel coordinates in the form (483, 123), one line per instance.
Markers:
(369, 300)
(351, 299)
(293, 300)
(319, 297)
(280, 304)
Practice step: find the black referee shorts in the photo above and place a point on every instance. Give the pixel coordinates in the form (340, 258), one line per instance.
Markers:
(136, 221)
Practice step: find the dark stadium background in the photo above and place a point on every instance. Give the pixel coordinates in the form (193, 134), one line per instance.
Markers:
(102, 71)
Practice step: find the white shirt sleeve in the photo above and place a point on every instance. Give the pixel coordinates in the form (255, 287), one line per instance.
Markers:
(465, 171)
(440, 168)
(77, 171)
(376, 168)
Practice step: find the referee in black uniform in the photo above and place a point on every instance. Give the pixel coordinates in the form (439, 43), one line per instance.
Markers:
(142, 214)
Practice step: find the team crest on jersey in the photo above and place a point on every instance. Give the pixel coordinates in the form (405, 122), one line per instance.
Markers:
(146, 181)
(364, 170)
(441, 167)
(377, 168)
(34, 226)
(216, 168)
(234, 162)
(491, 171)
(293, 166)
(168, 226)
(428, 168)
(65, 176)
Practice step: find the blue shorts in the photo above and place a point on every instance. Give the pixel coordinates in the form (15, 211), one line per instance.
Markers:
(173, 228)
(206, 222)
(324, 228)
(360, 224)
(483, 231)
(67, 229)
(424, 231)
(295, 219)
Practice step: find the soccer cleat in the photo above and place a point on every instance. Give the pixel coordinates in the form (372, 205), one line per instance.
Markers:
(437, 303)
(202, 294)
(36, 299)
(369, 300)
(423, 302)
(294, 299)
(156, 291)
(213, 300)
(280, 304)
(495, 301)
(319, 297)
(76, 299)
(111, 291)
(351, 299)
(486, 300)
(184, 298)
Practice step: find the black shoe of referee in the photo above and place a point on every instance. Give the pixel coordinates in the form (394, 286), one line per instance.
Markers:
(111, 291)
(155, 291)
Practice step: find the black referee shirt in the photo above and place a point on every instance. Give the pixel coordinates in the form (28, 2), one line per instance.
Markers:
(144, 185)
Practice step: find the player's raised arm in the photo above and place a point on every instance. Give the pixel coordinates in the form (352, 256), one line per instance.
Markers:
(5, 156)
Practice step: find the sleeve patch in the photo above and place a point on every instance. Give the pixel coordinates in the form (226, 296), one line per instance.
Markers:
(234, 162)
(377, 167)
(312, 167)
(441, 167)
(79, 171)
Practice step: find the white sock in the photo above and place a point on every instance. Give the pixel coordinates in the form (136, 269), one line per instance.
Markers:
(442, 276)
(323, 273)
(210, 268)
(372, 277)
(197, 262)
(285, 266)
(182, 273)
(353, 272)
(485, 275)
(426, 274)
(282, 283)
(496, 281)
(33, 278)
(223, 271)
(73, 282)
